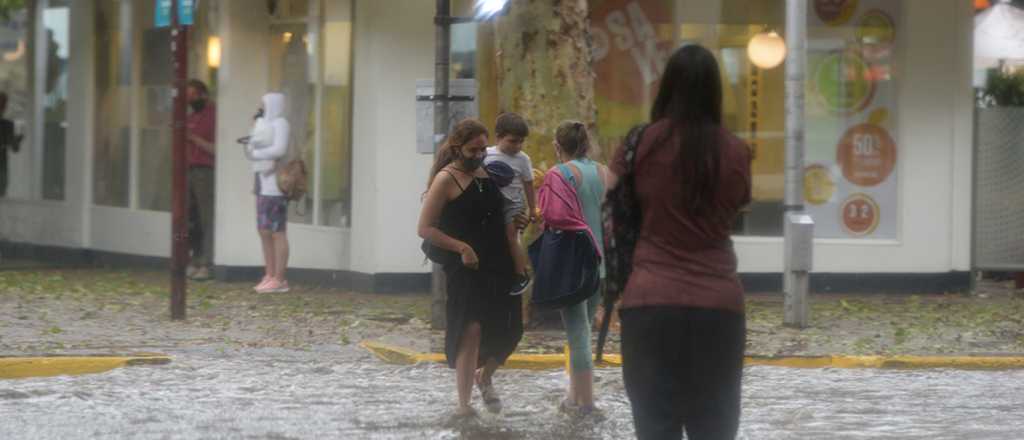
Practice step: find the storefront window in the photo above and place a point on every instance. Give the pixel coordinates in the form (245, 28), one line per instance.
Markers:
(292, 73)
(55, 96)
(335, 168)
(156, 102)
(850, 162)
(134, 102)
(311, 62)
(111, 170)
(851, 184)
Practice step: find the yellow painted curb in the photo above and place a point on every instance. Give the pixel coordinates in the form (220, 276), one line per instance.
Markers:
(25, 367)
(398, 355)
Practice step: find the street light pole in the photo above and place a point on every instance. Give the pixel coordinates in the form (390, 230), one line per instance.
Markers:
(179, 186)
(442, 60)
(795, 278)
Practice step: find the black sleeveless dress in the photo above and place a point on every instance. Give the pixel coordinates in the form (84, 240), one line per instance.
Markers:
(482, 295)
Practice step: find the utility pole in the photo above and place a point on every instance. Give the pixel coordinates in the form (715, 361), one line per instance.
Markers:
(799, 228)
(179, 186)
(442, 60)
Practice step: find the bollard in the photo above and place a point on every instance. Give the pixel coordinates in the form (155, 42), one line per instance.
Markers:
(798, 265)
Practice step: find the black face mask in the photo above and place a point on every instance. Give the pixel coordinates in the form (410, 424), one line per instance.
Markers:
(472, 163)
(197, 104)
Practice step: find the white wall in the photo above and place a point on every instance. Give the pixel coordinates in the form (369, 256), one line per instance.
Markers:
(392, 50)
(935, 126)
(124, 231)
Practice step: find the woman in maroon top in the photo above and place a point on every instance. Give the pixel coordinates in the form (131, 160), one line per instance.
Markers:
(683, 324)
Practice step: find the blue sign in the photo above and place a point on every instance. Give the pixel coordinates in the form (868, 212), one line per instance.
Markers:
(162, 14)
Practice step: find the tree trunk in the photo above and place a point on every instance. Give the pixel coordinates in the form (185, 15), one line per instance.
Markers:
(544, 71)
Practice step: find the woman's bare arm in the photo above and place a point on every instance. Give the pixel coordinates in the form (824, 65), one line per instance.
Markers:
(439, 194)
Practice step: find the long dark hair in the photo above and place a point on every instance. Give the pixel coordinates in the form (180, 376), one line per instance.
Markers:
(463, 132)
(691, 97)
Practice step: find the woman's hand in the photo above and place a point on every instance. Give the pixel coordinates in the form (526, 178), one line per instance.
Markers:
(469, 257)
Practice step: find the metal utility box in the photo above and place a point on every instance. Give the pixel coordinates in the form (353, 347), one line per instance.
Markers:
(463, 105)
(800, 256)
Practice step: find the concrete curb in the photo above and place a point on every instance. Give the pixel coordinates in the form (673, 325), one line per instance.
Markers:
(26, 367)
(398, 355)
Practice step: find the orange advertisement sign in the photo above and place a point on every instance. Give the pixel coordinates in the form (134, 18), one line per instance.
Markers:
(860, 214)
(866, 154)
(629, 50)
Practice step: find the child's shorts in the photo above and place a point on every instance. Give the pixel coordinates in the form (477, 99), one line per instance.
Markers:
(512, 209)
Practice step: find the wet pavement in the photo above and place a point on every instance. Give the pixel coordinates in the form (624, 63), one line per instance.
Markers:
(331, 392)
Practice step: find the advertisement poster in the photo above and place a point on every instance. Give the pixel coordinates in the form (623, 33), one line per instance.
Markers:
(851, 176)
(632, 40)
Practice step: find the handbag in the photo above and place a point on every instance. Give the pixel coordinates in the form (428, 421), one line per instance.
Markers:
(292, 179)
(565, 268)
(621, 218)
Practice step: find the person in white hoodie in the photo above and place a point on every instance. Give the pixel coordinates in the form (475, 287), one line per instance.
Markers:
(267, 145)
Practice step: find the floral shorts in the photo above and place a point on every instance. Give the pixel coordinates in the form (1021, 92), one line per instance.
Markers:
(272, 213)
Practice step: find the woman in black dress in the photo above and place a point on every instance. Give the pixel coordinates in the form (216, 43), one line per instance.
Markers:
(462, 219)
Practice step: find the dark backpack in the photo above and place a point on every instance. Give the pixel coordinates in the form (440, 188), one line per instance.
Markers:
(621, 218)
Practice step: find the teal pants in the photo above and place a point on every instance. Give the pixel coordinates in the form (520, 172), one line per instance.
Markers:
(578, 321)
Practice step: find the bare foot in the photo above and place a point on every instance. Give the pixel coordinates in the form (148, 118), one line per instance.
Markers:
(462, 416)
(465, 411)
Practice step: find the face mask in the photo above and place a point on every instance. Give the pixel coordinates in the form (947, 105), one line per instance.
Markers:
(259, 114)
(198, 104)
(472, 163)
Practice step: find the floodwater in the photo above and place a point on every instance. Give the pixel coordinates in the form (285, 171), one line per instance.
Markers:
(286, 394)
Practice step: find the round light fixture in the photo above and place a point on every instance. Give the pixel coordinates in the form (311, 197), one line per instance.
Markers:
(766, 50)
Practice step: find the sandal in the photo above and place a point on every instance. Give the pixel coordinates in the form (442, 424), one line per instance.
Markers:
(568, 407)
(490, 397)
(572, 410)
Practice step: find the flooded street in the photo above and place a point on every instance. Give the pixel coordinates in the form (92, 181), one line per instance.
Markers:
(285, 394)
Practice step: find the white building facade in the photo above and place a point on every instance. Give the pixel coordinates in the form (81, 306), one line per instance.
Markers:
(90, 86)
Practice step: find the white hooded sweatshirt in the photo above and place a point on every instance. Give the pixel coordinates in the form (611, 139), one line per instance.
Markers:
(269, 143)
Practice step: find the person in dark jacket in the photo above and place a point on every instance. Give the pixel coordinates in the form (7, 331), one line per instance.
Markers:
(9, 141)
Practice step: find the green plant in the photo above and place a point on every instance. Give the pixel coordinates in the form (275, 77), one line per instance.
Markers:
(1004, 88)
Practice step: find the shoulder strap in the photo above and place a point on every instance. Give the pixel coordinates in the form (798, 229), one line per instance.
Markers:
(456, 179)
(568, 175)
(633, 145)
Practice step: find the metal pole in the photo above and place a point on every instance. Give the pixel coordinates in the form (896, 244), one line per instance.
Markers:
(442, 38)
(179, 207)
(795, 284)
